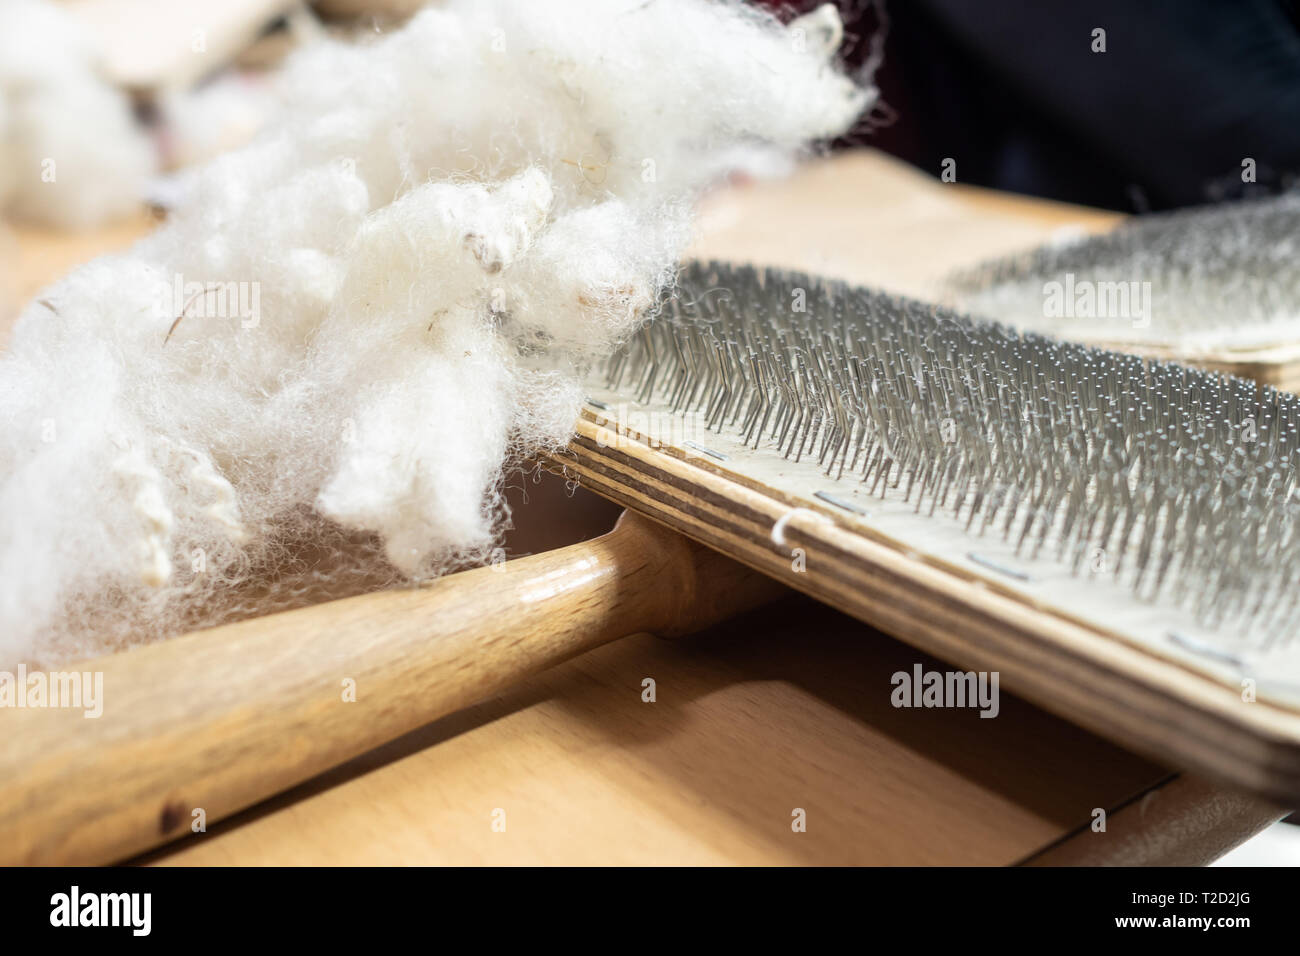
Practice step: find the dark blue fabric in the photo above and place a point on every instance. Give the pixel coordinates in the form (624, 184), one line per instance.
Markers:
(1012, 91)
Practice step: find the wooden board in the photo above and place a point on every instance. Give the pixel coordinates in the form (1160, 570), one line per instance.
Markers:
(784, 709)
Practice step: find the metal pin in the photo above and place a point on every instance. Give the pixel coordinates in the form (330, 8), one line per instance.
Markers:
(1000, 568)
(707, 451)
(1205, 650)
(839, 502)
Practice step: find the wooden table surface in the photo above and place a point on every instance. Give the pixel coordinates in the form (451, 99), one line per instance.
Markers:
(786, 710)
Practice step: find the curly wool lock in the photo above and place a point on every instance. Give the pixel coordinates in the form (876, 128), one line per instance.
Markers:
(444, 225)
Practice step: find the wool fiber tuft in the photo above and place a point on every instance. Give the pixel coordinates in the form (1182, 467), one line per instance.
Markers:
(310, 380)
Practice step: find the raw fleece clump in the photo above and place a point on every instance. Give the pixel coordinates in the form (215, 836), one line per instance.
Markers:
(70, 153)
(311, 379)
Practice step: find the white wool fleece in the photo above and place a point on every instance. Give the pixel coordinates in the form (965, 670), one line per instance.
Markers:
(70, 153)
(316, 372)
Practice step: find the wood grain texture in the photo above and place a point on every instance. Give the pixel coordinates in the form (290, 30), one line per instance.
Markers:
(868, 218)
(787, 707)
(219, 719)
(1071, 667)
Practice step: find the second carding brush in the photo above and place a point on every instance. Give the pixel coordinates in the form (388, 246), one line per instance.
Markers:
(1217, 286)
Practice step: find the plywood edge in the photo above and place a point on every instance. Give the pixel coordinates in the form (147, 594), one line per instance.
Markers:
(1089, 676)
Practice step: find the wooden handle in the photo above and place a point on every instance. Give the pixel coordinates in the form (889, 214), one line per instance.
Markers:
(217, 720)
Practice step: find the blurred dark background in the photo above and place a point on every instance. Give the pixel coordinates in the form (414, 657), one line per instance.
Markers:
(1013, 91)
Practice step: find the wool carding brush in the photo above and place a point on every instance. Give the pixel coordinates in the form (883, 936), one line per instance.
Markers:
(1096, 528)
(1118, 536)
(1218, 287)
